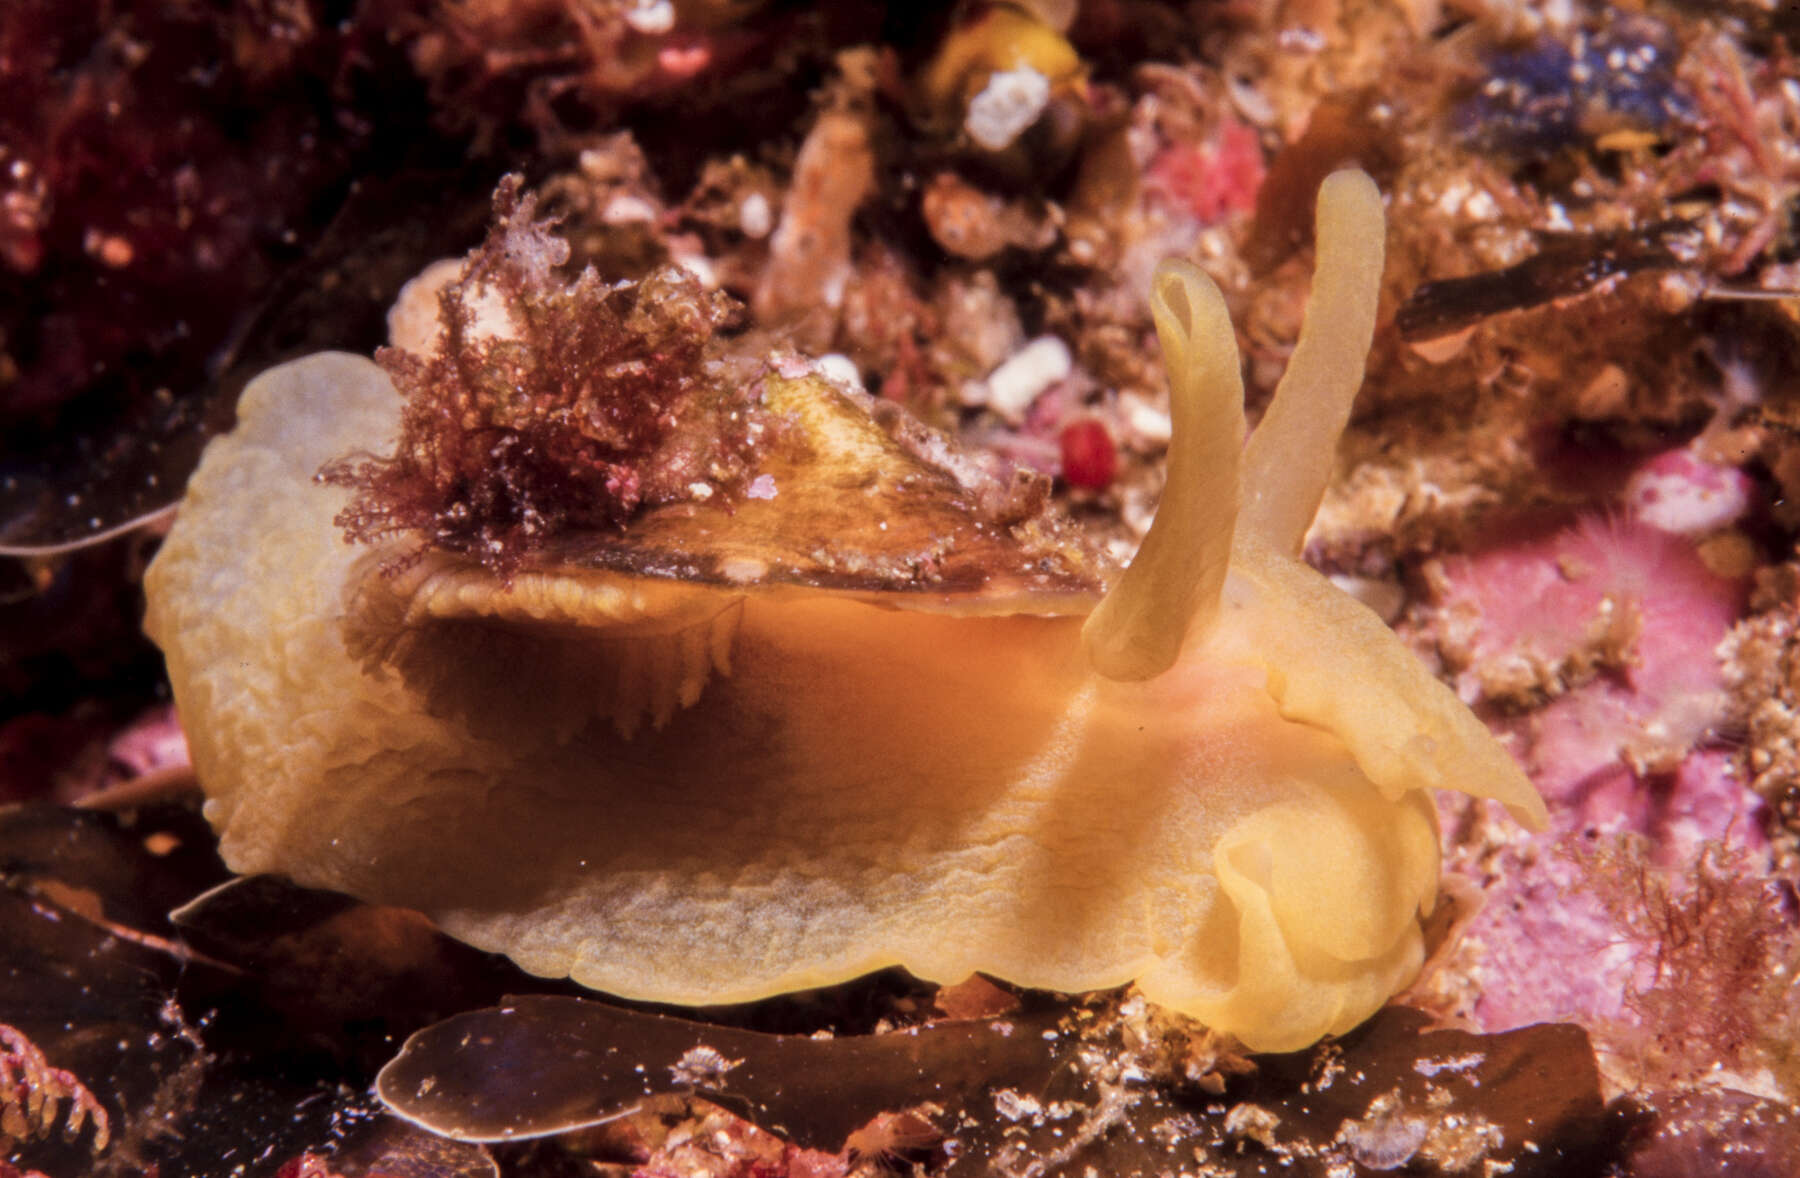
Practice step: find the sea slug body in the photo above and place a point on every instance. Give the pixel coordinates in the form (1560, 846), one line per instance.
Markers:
(676, 780)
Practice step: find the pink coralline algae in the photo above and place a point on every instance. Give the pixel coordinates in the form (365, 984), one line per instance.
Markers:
(1211, 179)
(1551, 942)
(1603, 634)
(1594, 648)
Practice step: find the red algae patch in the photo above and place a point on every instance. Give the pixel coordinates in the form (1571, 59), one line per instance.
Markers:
(593, 403)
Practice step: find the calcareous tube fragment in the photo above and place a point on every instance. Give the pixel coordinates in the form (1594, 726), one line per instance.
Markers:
(718, 777)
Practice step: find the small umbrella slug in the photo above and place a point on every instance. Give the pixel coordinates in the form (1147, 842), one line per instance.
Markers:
(723, 752)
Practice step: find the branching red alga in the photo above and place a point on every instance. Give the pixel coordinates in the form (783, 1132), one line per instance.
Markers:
(598, 400)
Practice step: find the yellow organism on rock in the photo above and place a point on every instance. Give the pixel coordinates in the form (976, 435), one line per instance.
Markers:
(724, 753)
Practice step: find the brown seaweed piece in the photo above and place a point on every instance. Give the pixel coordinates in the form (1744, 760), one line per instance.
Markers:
(192, 1077)
(1564, 269)
(541, 1065)
(1058, 1091)
(333, 968)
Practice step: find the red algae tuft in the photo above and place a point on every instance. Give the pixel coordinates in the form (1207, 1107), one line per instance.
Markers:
(1211, 180)
(594, 404)
(1090, 458)
(36, 1096)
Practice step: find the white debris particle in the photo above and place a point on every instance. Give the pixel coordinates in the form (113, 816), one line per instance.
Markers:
(755, 217)
(1253, 1121)
(413, 321)
(840, 370)
(1687, 497)
(1481, 207)
(1455, 194)
(1011, 101)
(743, 570)
(625, 208)
(790, 366)
(702, 1066)
(1023, 376)
(1146, 420)
(1456, 1063)
(701, 267)
(650, 17)
(1386, 1136)
(761, 487)
(1016, 1106)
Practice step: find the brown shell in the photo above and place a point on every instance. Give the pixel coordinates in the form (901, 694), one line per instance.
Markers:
(851, 505)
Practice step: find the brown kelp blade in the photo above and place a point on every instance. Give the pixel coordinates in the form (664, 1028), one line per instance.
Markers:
(542, 1065)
